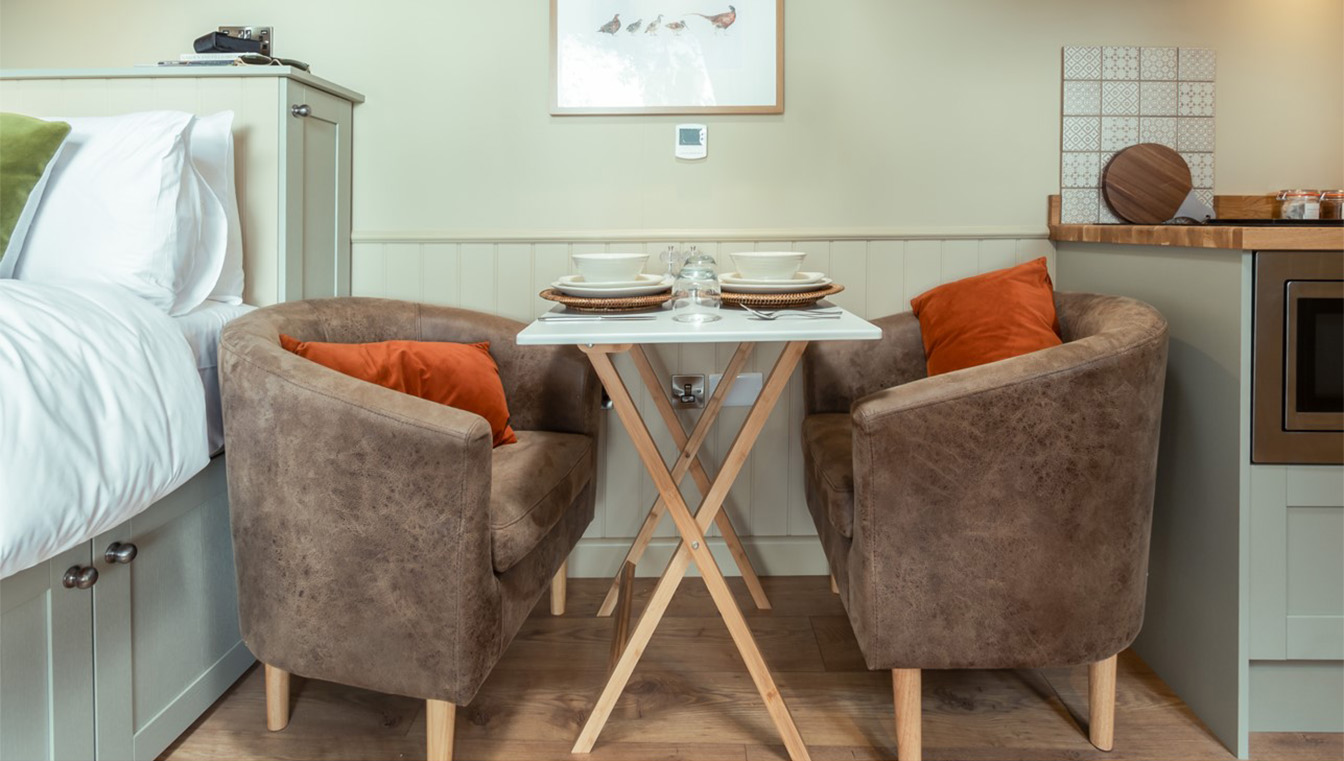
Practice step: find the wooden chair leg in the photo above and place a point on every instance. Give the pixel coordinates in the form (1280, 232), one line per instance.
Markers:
(1101, 703)
(277, 698)
(441, 716)
(835, 588)
(558, 589)
(905, 685)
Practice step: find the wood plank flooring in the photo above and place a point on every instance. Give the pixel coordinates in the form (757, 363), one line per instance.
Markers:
(690, 698)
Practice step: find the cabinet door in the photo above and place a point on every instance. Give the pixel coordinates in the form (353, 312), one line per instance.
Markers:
(166, 622)
(316, 192)
(1297, 563)
(46, 659)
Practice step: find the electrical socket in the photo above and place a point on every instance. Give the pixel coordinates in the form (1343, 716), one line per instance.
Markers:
(688, 391)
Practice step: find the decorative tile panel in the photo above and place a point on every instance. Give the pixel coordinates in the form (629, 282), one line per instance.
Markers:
(1119, 98)
(1081, 170)
(1082, 133)
(1195, 99)
(1082, 63)
(1078, 206)
(1157, 64)
(1195, 134)
(1159, 129)
(1197, 64)
(1201, 168)
(1119, 132)
(1157, 98)
(1120, 63)
(1084, 98)
(1205, 195)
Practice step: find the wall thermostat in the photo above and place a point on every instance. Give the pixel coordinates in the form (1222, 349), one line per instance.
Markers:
(692, 141)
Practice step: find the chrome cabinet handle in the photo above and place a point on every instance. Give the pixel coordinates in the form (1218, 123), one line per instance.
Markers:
(81, 577)
(301, 110)
(120, 553)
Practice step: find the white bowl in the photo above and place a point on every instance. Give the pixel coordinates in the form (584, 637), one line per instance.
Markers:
(768, 265)
(609, 268)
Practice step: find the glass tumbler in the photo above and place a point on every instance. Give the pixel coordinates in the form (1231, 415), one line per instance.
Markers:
(696, 294)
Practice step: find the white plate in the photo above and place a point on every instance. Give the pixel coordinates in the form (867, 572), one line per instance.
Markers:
(573, 285)
(799, 278)
(776, 287)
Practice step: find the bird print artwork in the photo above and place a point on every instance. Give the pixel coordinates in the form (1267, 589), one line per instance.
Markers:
(652, 28)
(675, 26)
(721, 20)
(634, 27)
(611, 27)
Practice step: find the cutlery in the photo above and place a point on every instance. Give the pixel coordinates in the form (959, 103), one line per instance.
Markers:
(594, 317)
(816, 314)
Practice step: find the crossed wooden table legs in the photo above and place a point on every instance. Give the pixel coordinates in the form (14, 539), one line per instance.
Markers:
(693, 546)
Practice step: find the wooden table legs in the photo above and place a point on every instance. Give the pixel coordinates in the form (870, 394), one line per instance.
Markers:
(693, 546)
(688, 457)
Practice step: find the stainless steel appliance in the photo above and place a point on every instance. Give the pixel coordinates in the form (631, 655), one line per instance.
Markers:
(1297, 385)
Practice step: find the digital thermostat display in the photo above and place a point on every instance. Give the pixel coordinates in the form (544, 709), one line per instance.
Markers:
(692, 141)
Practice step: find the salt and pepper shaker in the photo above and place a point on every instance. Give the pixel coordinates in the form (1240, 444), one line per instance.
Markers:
(696, 294)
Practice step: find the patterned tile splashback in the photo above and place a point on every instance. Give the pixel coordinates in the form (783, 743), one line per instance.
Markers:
(1115, 97)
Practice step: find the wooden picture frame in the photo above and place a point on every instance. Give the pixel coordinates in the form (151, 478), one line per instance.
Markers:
(667, 57)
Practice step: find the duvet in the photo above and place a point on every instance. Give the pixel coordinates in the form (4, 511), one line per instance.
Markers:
(101, 413)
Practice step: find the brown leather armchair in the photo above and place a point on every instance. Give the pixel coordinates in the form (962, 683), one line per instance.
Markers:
(380, 542)
(993, 517)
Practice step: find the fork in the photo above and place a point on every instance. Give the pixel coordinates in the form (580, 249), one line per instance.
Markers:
(818, 314)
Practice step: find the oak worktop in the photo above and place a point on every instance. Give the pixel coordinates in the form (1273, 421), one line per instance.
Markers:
(1201, 236)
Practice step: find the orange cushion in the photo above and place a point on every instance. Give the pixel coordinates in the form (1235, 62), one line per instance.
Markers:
(464, 376)
(985, 318)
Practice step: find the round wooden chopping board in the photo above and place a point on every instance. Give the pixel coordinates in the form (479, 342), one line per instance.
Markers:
(1146, 183)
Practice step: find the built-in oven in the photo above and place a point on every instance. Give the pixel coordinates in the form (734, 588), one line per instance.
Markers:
(1297, 384)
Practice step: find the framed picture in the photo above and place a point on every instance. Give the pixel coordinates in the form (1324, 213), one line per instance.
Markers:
(667, 57)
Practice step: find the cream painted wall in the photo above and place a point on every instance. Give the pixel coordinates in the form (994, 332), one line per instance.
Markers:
(941, 114)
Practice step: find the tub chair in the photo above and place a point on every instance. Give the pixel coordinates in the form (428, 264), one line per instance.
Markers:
(380, 541)
(996, 516)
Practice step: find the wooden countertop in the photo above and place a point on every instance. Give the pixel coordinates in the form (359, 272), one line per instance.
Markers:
(1198, 236)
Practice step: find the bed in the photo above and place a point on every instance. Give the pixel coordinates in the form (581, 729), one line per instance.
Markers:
(109, 421)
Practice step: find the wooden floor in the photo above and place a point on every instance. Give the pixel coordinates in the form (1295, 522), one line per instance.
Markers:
(691, 699)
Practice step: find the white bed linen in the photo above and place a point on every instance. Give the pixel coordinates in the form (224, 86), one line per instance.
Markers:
(101, 413)
(202, 327)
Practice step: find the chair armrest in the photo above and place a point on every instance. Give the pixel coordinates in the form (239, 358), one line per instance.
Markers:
(354, 503)
(1012, 498)
(837, 373)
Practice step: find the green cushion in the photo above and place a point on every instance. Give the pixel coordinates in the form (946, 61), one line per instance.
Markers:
(27, 145)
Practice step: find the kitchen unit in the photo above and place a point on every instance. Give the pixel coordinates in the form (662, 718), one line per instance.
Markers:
(1245, 615)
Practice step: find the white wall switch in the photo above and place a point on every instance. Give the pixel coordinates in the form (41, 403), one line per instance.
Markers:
(744, 391)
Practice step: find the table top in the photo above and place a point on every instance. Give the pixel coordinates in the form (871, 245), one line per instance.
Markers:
(736, 326)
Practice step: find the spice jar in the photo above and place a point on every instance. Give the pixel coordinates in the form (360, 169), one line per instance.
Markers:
(1332, 204)
(1299, 204)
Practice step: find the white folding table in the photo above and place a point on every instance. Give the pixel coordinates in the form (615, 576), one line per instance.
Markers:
(599, 339)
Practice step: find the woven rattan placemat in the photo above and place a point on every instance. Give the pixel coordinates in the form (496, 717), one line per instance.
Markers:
(607, 304)
(781, 300)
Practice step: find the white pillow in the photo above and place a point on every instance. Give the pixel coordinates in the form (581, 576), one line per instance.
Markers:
(211, 145)
(125, 205)
(10, 257)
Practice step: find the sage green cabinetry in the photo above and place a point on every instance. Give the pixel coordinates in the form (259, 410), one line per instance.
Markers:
(1245, 613)
(315, 190)
(119, 670)
(46, 663)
